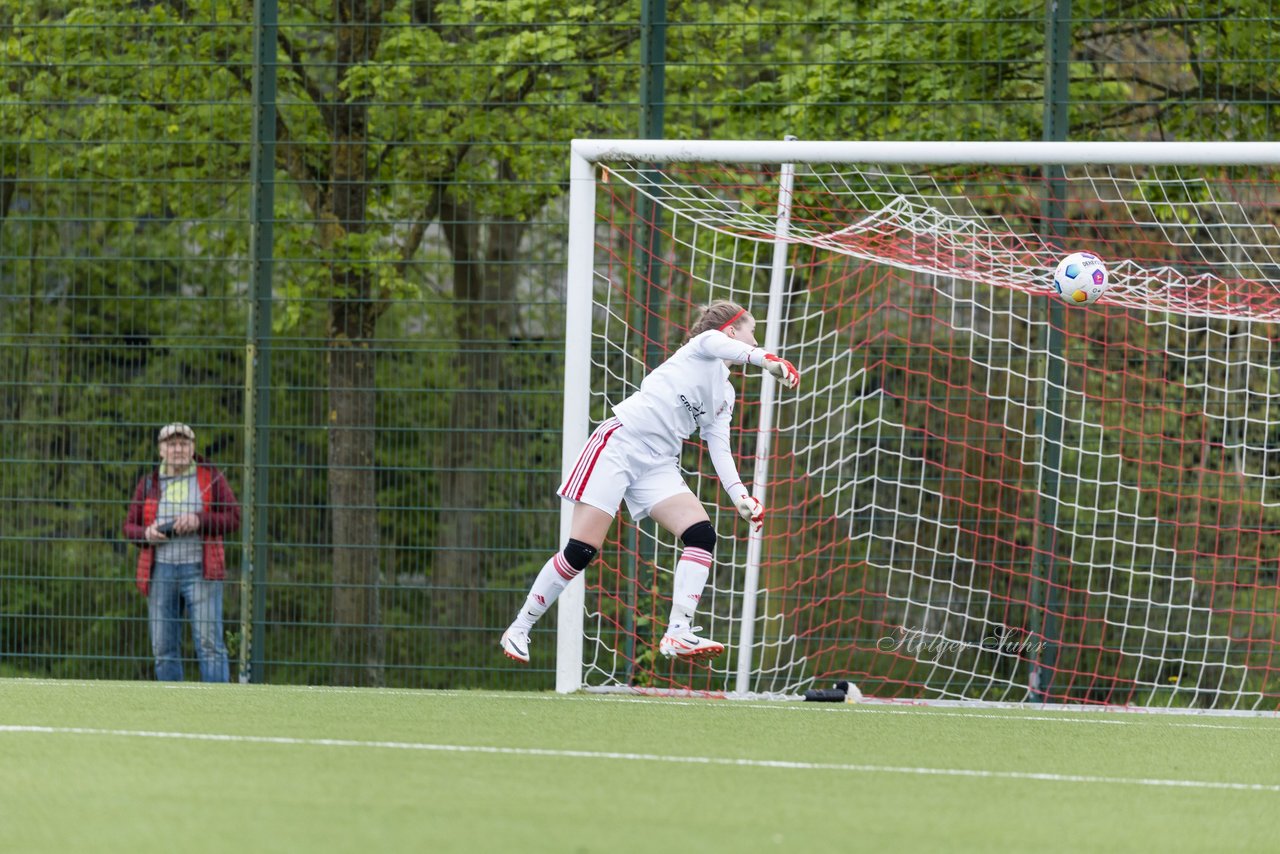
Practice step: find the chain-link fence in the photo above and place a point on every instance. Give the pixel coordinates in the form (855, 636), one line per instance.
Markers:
(330, 237)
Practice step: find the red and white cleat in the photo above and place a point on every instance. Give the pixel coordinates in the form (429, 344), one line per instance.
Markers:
(687, 646)
(515, 644)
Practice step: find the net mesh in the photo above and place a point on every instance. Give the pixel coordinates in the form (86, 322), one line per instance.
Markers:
(979, 492)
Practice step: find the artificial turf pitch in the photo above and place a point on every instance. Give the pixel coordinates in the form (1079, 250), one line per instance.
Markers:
(141, 767)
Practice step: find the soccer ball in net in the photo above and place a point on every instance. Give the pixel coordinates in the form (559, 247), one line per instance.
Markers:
(1081, 278)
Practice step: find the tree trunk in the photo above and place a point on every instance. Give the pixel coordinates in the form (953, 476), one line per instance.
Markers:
(484, 285)
(359, 638)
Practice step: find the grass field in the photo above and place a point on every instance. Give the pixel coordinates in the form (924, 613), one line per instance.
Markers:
(141, 767)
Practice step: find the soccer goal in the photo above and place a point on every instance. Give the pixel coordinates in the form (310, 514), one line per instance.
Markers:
(980, 492)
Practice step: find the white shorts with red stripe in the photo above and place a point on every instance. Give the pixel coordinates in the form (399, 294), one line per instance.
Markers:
(615, 466)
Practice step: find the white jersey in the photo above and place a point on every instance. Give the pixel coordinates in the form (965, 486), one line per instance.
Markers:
(691, 392)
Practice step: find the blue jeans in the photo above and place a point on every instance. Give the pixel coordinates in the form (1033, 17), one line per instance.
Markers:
(173, 584)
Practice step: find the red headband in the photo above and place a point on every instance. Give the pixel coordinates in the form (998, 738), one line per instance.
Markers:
(732, 320)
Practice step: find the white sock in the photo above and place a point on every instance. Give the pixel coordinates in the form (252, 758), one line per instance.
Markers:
(552, 579)
(691, 578)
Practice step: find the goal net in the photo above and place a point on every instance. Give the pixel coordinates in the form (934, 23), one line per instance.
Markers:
(979, 491)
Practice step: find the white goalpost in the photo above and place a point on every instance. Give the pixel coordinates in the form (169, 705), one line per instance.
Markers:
(980, 493)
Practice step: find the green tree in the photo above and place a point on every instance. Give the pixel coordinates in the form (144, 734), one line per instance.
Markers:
(421, 165)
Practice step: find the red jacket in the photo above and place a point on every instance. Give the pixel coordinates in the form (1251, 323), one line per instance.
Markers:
(220, 515)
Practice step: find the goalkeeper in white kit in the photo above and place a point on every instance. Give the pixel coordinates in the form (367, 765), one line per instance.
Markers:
(634, 456)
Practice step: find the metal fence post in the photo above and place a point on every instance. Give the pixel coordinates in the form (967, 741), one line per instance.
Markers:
(1057, 46)
(258, 343)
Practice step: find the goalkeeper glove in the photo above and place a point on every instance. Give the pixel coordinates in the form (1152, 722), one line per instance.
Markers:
(782, 369)
(751, 509)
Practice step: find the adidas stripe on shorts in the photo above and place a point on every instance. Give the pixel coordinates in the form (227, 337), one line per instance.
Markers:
(616, 465)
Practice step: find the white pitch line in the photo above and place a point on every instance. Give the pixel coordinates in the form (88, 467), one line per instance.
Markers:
(651, 757)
